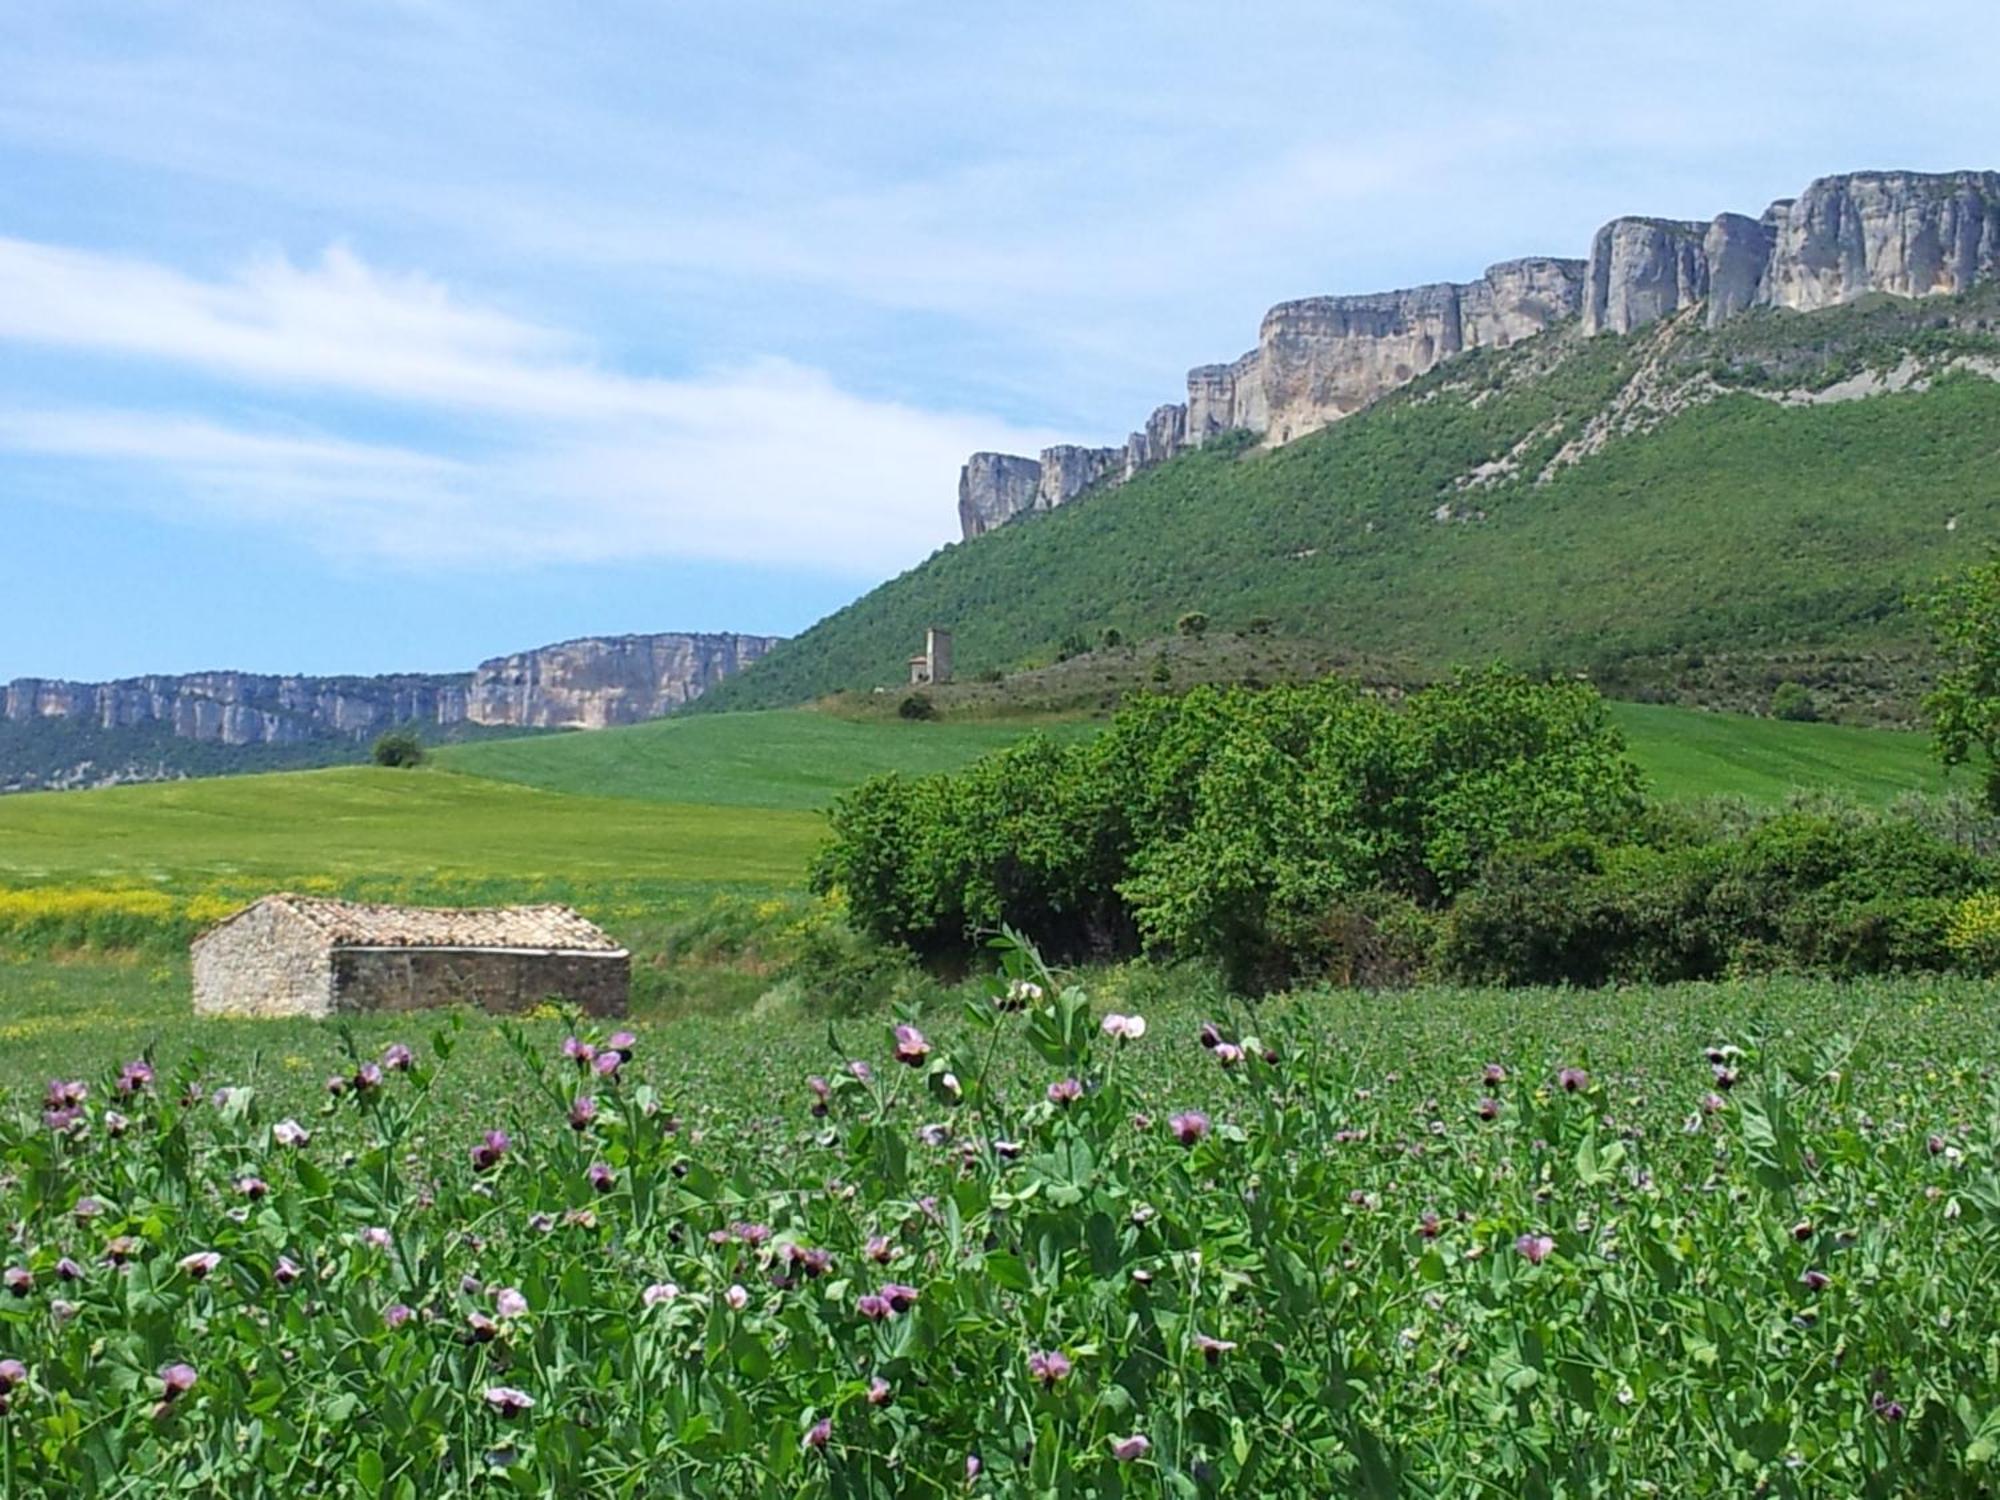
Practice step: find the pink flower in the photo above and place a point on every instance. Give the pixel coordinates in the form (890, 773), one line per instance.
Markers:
(579, 1052)
(1573, 1080)
(508, 1401)
(398, 1059)
(658, 1292)
(1489, 1109)
(290, 1133)
(873, 1306)
(1211, 1349)
(972, 1466)
(899, 1296)
(817, 1435)
(1189, 1126)
(1494, 1074)
(200, 1263)
(68, 1270)
(1125, 1028)
(375, 1237)
(878, 1249)
(602, 1178)
(624, 1044)
(879, 1393)
(608, 1064)
(367, 1077)
(737, 1297)
(396, 1314)
(135, 1076)
(1227, 1053)
(1535, 1247)
(286, 1271)
(911, 1047)
(252, 1187)
(12, 1374)
(1050, 1367)
(821, 1092)
(581, 1112)
(486, 1155)
(1130, 1449)
(509, 1303)
(178, 1379)
(19, 1280)
(1065, 1091)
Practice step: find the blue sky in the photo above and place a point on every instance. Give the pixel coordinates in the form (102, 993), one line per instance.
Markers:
(393, 336)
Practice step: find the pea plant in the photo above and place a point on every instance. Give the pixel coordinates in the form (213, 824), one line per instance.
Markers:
(1058, 1251)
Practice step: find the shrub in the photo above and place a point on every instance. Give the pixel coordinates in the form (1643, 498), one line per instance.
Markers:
(1113, 639)
(1193, 624)
(1792, 700)
(400, 748)
(1162, 672)
(916, 706)
(1972, 933)
(1260, 625)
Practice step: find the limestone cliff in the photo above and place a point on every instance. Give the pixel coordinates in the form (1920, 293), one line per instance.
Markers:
(55, 733)
(601, 681)
(1319, 359)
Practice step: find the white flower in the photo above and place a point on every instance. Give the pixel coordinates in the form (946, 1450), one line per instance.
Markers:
(1130, 1028)
(737, 1298)
(658, 1292)
(290, 1133)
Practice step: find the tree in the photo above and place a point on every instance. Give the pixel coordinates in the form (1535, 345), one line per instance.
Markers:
(400, 748)
(1964, 706)
(917, 706)
(1193, 624)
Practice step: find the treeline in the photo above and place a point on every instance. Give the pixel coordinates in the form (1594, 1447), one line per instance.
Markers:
(1491, 829)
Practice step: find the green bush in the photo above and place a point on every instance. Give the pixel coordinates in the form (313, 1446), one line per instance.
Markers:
(400, 748)
(1193, 624)
(917, 706)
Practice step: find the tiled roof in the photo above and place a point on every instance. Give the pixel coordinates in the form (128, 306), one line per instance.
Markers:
(356, 924)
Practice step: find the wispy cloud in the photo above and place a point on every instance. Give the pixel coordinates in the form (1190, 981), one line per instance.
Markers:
(538, 452)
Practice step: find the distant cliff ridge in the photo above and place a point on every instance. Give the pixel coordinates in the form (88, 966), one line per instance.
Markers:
(1909, 234)
(604, 680)
(55, 733)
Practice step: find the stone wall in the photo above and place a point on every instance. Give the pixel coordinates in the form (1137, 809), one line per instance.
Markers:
(503, 981)
(264, 962)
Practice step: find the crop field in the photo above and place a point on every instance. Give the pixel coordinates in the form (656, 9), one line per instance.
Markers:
(1712, 1240)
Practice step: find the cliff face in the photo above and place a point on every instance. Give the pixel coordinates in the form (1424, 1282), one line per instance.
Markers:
(1320, 359)
(1908, 234)
(601, 681)
(586, 684)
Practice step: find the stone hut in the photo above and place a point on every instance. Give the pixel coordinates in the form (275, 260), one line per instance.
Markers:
(289, 955)
(933, 664)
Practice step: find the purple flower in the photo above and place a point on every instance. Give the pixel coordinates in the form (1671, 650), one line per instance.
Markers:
(1494, 1074)
(483, 1329)
(134, 1076)
(375, 1237)
(658, 1292)
(879, 1393)
(1489, 1109)
(1887, 1410)
(18, 1279)
(624, 1044)
(64, 1119)
(1189, 1126)
(822, 1092)
(12, 1374)
(873, 1306)
(64, 1092)
(817, 1435)
(1573, 1080)
(911, 1047)
(1211, 1349)
(396, 1314)
(1130, 1449)
(582, 1111)
(900, 1296)
(252, 1187)
(972, 1467)
(286, 1271)
(878, 1249)
(1065, 1091)
(336, 1086)
(602, 1178)
(508, 1401)
(1211, 1035)
(1429, 1225)
(509, 1303)
(1816, 1281)
(608, 1063)
(367, 1077)
(486, 1155)
(1049, 1367)
(1535, 1247)
(68, 1270)
(290, 1133)
(178, 1379)
(1227, 1053)
(398, 1059)
(861, 1070)
(579, 1052)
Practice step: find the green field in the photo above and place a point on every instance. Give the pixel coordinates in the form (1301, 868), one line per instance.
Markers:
(785, 759)
(365, 821)
(1688, 754)
(721, 798)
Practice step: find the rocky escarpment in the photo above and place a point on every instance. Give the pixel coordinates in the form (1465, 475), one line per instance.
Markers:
(600, 681)
(1320, 359)
(58, 734)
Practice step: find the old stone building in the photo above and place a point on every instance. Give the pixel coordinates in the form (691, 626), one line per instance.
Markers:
(289, 955)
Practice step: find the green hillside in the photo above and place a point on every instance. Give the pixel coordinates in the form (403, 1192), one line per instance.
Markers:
(1702, 515)
(1686, 754)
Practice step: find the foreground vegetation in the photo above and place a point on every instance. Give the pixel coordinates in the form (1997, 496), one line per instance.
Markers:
(1703, 1241)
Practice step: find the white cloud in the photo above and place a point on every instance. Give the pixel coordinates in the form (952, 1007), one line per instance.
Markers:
(769, 462)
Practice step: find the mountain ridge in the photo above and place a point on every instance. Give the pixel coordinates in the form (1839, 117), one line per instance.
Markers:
(1321, 359)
